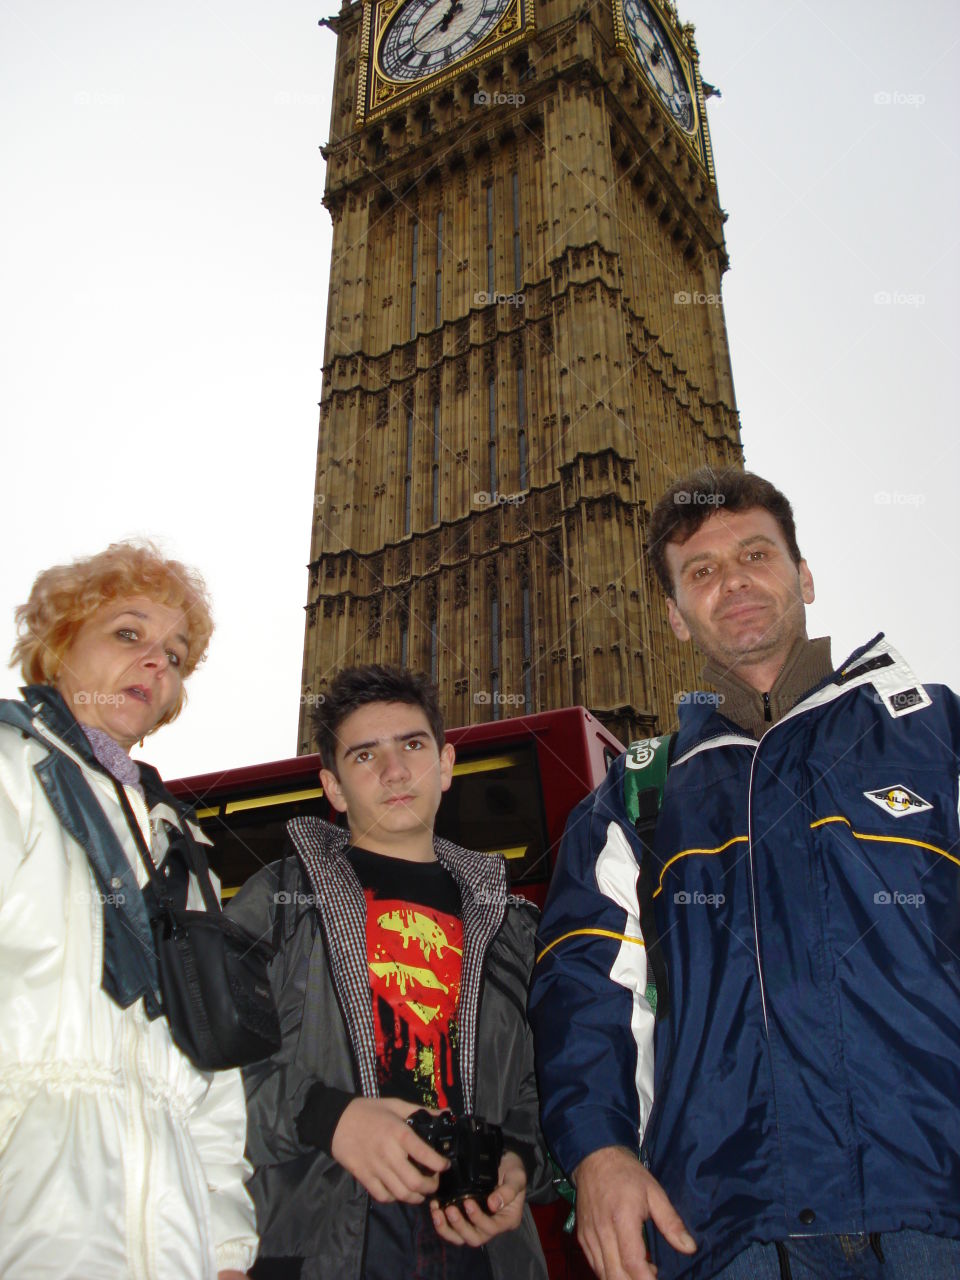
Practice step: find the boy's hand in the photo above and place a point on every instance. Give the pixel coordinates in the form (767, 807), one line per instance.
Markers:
(467, 1223)
(373, 1142)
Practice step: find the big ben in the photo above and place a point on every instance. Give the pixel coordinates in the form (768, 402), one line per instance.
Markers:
(525, 344)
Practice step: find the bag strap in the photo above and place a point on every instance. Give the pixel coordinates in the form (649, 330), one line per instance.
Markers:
(143, 849)
(644, 778)
(163, 895)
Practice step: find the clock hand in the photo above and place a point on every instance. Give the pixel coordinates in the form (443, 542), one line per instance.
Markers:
(455, 8)
(442, 24)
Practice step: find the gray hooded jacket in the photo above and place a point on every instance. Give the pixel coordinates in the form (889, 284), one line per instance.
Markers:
(309, 1206)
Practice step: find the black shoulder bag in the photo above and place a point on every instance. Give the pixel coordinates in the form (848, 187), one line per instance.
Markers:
(213, 974)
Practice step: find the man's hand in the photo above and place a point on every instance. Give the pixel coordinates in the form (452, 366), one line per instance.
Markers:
(615, 1196)
(373, 1142)
(232, 1275)
(469, 1224)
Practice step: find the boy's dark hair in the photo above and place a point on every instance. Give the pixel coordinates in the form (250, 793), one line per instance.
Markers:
(687, 503)
(359, 686)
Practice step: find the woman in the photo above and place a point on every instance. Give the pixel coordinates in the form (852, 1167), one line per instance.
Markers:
(118, 1158)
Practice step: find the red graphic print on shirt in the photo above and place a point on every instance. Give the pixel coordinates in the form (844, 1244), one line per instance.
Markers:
(415, 954)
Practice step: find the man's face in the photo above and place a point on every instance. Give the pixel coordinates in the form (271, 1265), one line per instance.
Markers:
(737, 593)
(390, 777)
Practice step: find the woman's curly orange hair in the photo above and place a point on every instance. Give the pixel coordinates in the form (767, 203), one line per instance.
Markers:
(64, 597)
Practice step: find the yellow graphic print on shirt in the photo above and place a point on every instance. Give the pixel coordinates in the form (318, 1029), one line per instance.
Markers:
(415, 958)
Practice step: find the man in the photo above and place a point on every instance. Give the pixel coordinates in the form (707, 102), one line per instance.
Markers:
(386, 936)
(794, 1100)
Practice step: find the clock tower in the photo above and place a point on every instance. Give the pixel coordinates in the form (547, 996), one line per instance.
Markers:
(525, 345)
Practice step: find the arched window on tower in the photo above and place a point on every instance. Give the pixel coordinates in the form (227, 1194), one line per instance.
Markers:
(495, 655)
(527, 633)
(492, 435)
(517, 249)
(522, 429)
(435, 473)
(434, 643)
(408, 477)
(491, 287)
(405, 633)
(414, 267)
(438, 314)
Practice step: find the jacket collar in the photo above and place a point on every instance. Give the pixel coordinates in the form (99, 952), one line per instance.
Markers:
(876, 663)
(478, 875)
(807, 665)
(47, 705)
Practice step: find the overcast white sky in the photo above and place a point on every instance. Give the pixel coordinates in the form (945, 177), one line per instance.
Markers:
(163, 281)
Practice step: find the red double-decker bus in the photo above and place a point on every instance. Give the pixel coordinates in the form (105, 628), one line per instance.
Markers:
(514, 784)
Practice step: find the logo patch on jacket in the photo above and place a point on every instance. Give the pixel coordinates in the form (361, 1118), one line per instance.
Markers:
(900, 702)
(640, 754)
(898, 801)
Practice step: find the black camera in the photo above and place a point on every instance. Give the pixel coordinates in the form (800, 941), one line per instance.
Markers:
(473, 1148)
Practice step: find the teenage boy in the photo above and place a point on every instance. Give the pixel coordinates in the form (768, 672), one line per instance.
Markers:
(385, 937)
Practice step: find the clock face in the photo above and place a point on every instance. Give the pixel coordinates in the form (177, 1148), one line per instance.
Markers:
(659, 61)
(427, 36)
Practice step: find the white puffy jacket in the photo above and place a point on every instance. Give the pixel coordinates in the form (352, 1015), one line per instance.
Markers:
(119, 1160)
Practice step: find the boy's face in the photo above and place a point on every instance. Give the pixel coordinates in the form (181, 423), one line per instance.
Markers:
(390, 777)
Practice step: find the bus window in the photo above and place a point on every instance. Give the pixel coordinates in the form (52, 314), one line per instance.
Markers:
(495, 805)
(249, 832)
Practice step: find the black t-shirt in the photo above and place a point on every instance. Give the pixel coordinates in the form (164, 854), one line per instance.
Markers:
(414, 957)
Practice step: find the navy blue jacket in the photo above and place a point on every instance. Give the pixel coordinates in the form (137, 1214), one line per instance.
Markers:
(805, 897)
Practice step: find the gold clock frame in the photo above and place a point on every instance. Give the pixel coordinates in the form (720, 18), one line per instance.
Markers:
(697, 142)
(378, 95)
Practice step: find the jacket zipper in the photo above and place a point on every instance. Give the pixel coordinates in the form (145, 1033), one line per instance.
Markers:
(797, 710)
(753, 892)
(794, 711)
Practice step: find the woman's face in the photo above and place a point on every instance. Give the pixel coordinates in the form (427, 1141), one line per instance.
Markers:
(122, 671)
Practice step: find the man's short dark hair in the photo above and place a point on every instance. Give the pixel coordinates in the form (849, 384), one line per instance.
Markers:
(359, 686)
(687, 503)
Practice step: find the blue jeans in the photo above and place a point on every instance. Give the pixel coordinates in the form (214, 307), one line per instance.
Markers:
(894, 1255)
